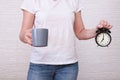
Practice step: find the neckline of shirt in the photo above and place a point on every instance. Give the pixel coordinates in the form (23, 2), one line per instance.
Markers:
(54, 3)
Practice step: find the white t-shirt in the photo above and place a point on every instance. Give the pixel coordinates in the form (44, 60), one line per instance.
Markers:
(58, 17)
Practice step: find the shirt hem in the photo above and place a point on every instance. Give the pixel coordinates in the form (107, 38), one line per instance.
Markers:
(54, 63)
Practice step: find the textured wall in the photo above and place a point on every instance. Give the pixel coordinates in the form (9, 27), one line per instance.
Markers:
(95, 63)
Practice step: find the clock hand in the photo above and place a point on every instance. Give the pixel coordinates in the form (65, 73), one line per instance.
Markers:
(102, 38)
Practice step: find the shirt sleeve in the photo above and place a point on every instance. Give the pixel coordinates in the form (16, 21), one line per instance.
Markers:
(77, 6)
(28, 5)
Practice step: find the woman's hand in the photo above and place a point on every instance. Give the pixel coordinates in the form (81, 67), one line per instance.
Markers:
(28, 36)
(104, 24)
(26, 29)
(84, 34)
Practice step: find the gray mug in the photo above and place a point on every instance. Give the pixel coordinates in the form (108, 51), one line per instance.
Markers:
(39, 37)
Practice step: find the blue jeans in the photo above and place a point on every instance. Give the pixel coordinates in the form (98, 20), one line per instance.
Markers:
(53, 72)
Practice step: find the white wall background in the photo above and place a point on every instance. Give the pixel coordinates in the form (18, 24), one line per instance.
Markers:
(96, 63)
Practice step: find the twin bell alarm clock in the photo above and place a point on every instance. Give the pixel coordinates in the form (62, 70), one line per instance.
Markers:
(103, 37)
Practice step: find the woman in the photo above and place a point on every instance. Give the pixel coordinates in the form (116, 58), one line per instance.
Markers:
(57, 61)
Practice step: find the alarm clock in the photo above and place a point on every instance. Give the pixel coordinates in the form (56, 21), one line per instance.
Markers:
(103, 37)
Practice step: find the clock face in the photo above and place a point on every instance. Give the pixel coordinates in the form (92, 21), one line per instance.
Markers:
(103, 39)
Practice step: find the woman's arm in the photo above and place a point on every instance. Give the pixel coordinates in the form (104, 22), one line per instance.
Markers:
(27, 24)
(84, 34)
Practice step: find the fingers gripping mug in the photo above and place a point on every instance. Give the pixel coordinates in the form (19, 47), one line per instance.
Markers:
(39, 37)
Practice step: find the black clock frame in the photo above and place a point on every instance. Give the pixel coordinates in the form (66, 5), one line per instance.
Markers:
(103, 30)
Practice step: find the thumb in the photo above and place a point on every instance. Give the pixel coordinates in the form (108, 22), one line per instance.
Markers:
(99, 26)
